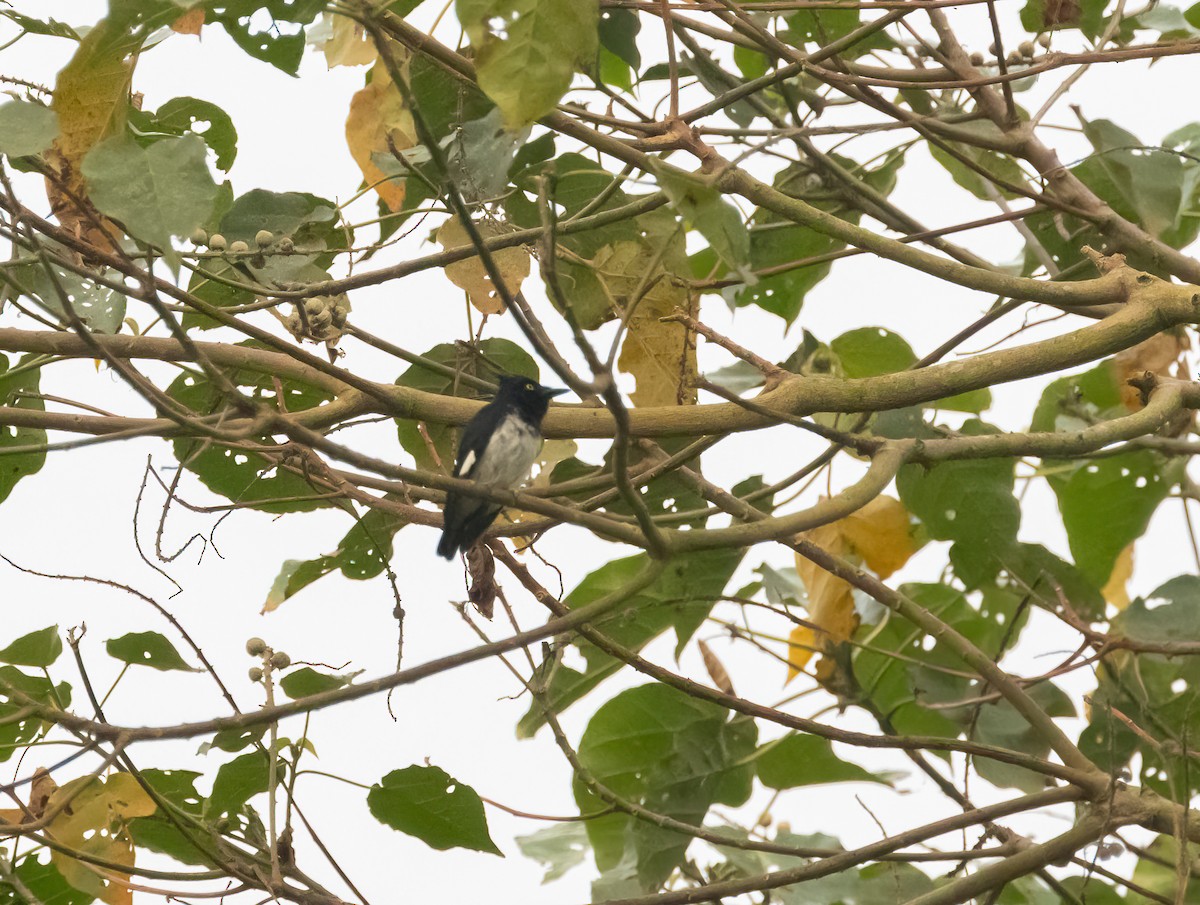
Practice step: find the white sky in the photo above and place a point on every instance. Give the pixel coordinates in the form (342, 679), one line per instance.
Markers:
(76, 515)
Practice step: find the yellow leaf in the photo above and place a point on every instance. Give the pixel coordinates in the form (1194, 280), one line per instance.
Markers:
(877, 535)
(190, 22)
(349, 44)
(93, 822)
(91, 98)
(470, 275)
(377, 115)
(1116, 592)
(880, 533)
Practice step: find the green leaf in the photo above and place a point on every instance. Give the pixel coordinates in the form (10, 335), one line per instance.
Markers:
(100, 308)
(238, 781)
(274, 41)
(246, 477)
(806, 760)
(148, 649)
(163, 832)
(157, 192)
(776, 243)
(1040, 571)
(303, 682)
(26, 128)
(181, 115)
(488, 360)
(428, 803)
(480, 157)
(1157, 185)
(527, 51)
(363, 553)
(999, 166)
(969, 502)
(680, 598)
(49, 27)
(706, 211)
(17, 731)
(557, 847)
(40, 648)
(46, 884)
(18, 390)
(871, 351)
(998, 723)
(671, 753)
(1106, 503)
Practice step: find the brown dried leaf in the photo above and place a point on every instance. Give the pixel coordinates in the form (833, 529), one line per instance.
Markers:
(91, 98)
(470, 275)
(349, 45)
(190, 22)
(377, 119)
(716, 669)
(1116, 591)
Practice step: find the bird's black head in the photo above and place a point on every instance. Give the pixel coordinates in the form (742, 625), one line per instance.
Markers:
(526, 395)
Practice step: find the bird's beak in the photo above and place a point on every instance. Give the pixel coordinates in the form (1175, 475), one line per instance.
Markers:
(549, 393)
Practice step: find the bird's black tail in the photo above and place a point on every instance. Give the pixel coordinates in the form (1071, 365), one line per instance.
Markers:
(448, 545)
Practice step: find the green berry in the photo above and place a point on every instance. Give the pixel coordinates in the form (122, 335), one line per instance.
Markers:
(263, 238)
(198, 236)
(256, 674)
(286, 245)
(216, 242)
(239, 248)
(256, 647)
(280, 660)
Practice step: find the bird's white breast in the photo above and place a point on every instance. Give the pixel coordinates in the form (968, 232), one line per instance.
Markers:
(509, 455)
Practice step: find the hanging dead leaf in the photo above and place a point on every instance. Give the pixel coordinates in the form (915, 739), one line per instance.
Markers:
(470, 275)
(349, 44)
(715, 668)
(877, 535)
(91, 98)
(190, 22)
(378, 122)
(94, 823)
(1116, 591)
(481, 566)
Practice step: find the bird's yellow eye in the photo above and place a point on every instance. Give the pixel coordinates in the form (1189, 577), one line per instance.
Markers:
(529, 386)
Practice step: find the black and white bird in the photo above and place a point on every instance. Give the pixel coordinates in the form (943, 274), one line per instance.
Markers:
(497, 449)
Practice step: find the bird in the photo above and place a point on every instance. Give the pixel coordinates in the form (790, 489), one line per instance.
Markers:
(497, 449)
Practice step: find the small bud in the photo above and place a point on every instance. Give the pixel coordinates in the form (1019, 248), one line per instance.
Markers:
(977, 59)
(316, 304)
(1044, 39)
(256, 647)
(1026, 49)
(280, 660)
(263, 238)
(286, 245)
(256, 674)
(239, 248)
(198, 236)
(216, 242)
(1013, 58)
(992, 49)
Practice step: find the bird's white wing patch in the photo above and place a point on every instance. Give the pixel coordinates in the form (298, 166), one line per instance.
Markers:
(464, 467)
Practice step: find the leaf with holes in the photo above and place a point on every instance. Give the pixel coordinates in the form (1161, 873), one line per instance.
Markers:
(17, 726)
(148, 649)
(471, 276)
(670, 753)
(428, 803)
(20, 390)
(527, 51)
